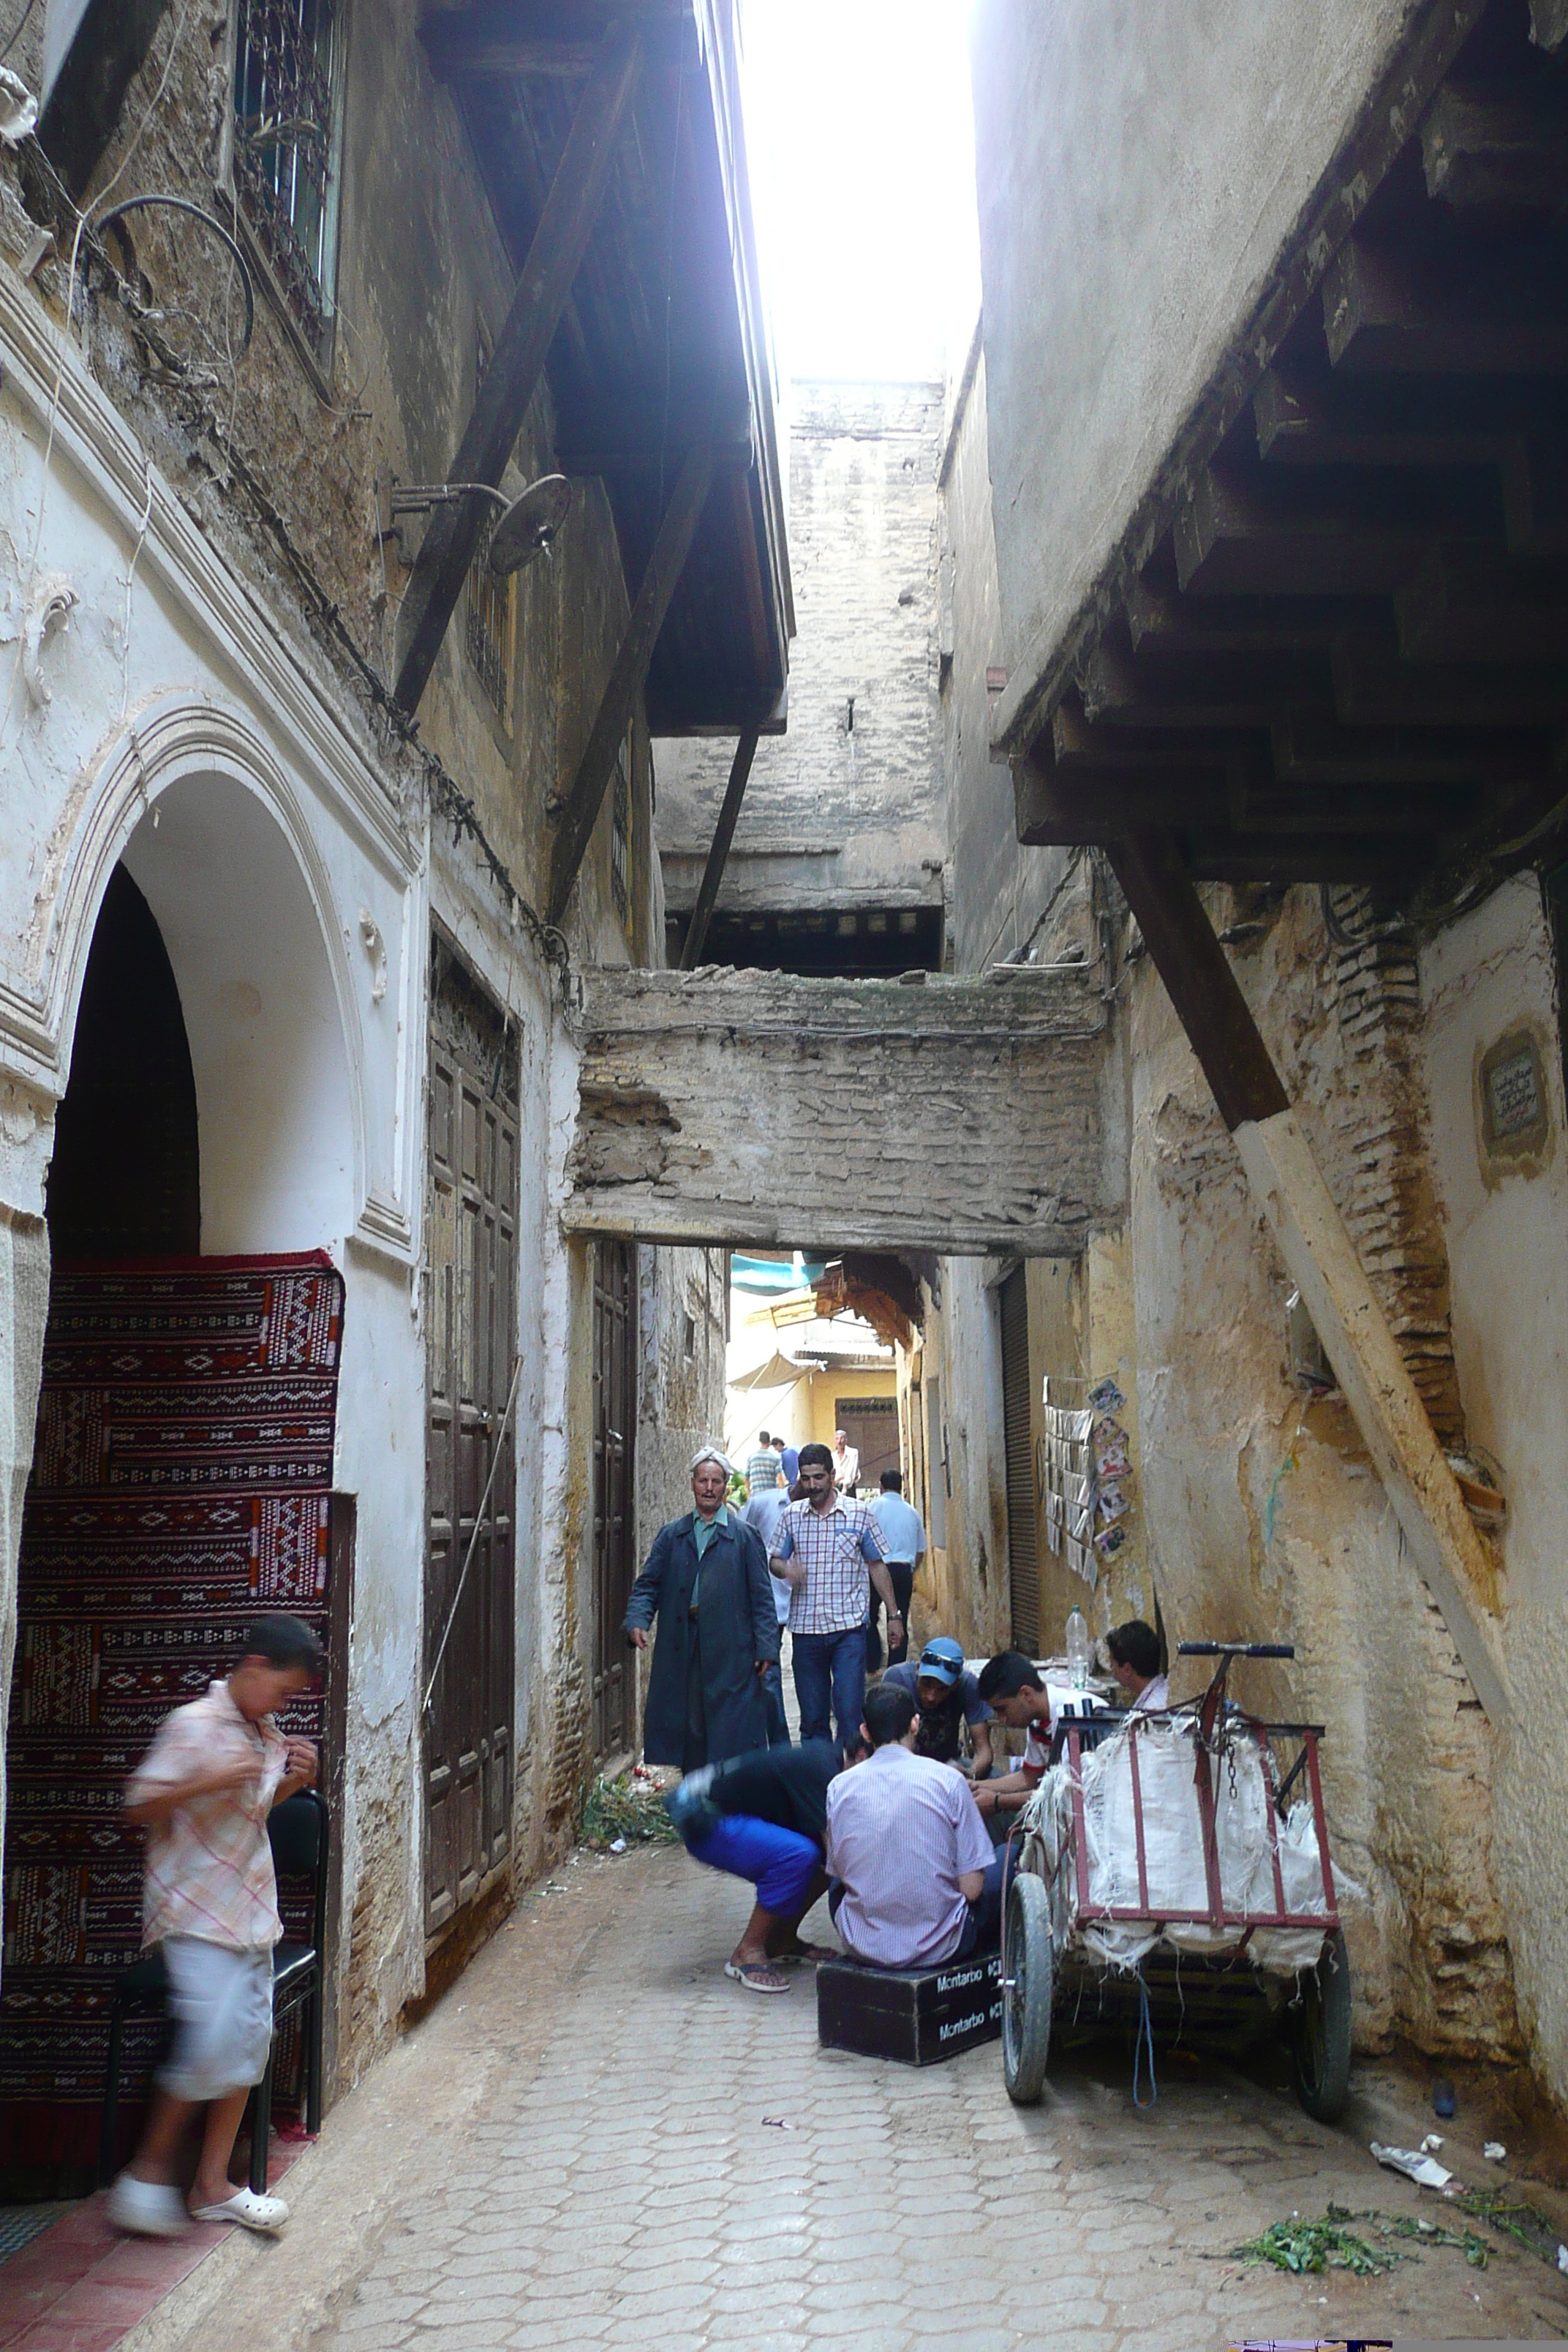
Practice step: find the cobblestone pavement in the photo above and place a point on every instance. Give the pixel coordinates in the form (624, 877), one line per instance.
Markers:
(598, 2140)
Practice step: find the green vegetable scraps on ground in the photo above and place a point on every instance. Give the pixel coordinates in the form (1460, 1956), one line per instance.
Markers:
(1328, 2246)
(1318, 2246)
(1526, 2224)
(625, 1808)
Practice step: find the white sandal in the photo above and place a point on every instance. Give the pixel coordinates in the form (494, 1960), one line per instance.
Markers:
(251, 2211)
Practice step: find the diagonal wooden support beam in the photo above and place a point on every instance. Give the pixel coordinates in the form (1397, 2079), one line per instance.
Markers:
(581, 811)
(1318, 1251)
(723, 835)
(522, 349)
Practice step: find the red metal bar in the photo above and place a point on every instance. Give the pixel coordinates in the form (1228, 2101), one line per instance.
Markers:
(1138, 1812)
(1080, 1834)
(1203, 1782)
(1264, 1760)
(1321, 1826)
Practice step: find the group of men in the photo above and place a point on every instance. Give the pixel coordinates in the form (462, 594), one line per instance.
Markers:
(722, 1584)
(879, 1807)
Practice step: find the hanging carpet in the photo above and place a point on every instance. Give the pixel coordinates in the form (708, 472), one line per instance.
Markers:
(179, 1489)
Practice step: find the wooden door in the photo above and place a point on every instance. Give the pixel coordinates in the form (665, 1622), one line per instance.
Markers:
(471, 1322)
(1022, 1526)
(615, 1424)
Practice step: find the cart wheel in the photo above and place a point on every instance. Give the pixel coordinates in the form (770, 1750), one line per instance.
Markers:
(1321, 2034)
(1027, 2005)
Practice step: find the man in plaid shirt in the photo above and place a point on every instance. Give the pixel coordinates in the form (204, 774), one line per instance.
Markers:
(831, 1552)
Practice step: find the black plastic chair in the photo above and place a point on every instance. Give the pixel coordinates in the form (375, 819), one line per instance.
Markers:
(299, 1833)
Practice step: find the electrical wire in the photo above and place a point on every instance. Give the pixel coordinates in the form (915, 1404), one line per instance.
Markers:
(21, 28)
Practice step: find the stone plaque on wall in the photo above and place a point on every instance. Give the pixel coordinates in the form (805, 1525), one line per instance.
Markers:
(1512, 1105)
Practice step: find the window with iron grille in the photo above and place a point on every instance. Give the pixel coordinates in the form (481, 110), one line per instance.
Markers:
(621, 834)
(285, 147)
(487, 623)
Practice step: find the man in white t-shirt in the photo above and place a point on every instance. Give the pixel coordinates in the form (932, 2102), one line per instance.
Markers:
(1133, 1650)
(904, 1538)
(764, 1512)
(846, 1463)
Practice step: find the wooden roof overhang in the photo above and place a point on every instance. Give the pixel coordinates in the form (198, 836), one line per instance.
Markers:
(1333, 647)
(662, 348)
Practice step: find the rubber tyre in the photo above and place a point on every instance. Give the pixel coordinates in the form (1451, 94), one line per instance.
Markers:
(1026, 2004)
(1321, 2035)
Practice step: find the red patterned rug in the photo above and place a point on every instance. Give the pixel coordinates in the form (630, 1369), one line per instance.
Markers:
(180, 1487)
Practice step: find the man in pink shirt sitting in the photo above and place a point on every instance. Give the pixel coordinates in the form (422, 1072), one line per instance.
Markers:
(916, 1879)
(203, 1791)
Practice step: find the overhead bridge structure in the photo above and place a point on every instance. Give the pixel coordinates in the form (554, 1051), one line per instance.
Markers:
(964, 1117)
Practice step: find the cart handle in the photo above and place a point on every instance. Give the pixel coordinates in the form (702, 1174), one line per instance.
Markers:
(1235, 1649)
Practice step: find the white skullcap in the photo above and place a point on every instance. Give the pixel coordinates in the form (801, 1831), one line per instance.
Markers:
(710, 1453)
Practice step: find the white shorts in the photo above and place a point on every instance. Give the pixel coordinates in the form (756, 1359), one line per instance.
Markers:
(221, 2001)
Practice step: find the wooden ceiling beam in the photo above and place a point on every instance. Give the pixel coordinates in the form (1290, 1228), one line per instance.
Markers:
(1306, 415)
(1374, 688)
(1119, 688)
(1275, 532)
(1312, 750)
(1464, 605)
(1385, 312)
(1497, 146)
(1161, 621)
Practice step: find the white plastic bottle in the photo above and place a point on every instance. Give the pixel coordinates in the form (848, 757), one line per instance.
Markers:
(1079, 1649)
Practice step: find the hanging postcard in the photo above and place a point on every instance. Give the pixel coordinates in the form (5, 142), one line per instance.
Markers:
(1105, 1397)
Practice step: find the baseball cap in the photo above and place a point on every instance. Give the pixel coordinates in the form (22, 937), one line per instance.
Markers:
(942, 1660)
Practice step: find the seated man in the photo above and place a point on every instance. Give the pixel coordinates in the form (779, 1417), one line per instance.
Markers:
(764, 1817)
(918, 1879)
(948, 1698)
(1014, 1688)
(1133, 1650)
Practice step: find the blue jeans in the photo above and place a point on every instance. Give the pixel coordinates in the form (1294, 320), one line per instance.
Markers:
(837, 1659)
(781, 1864)
(778, 1722)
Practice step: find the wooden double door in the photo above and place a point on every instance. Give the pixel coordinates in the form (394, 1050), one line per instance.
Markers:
(471, 1320)
(613, 1531)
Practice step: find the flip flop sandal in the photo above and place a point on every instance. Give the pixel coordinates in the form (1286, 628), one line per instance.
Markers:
(249, 2211)
(756, 1977)
(806, 1955)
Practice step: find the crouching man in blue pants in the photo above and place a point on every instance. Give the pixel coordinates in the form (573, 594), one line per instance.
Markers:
(762, 1817)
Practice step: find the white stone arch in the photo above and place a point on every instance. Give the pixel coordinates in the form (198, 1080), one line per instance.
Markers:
(213, 831)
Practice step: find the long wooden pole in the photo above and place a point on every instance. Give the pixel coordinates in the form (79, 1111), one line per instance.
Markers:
(523, 347)
(717, 854)
(1318, 1250)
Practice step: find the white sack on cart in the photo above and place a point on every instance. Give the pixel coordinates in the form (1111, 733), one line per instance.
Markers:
(1282, 1950)
(1175, 1874)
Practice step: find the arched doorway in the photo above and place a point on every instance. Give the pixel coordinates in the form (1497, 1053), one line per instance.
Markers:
(125, 1178)
(182, 1475)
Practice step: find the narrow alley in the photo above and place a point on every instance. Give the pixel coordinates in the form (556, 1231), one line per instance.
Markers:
(596, 2139)
(784, 1057)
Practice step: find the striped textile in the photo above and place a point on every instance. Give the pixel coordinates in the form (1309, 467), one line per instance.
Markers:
(899, 1830)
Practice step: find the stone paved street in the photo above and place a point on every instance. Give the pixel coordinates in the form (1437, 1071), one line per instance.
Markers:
(598, 2140)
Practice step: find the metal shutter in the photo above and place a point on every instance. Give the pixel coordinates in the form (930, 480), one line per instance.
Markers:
(1023, 1528)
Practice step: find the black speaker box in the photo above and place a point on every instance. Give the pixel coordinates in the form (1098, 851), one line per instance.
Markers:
(918, 2015)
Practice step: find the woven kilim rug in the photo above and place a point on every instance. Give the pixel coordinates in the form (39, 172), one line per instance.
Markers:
(180, 1488)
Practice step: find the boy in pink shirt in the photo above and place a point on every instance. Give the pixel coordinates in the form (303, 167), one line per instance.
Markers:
(203, 1791)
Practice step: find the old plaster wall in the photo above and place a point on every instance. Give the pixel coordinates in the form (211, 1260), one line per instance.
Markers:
(1263, 1518)
(1103, 134)
(1007, 898)
(939, 1115)
(963, 1359)
(257, 583)
(1489, 974)
(847, 807)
